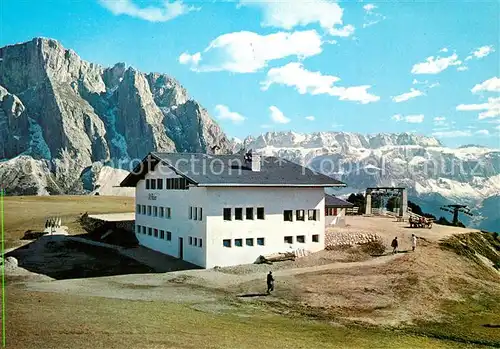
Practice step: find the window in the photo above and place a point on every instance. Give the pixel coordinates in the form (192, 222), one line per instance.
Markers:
(156, 233)
(200, 214)
(195, 213)
(176, 183)
(288, 215)
(200, 244)
(149, 210)
(238, 242)
(195, 242)
(138, 229)
(162, 212)
(249, 213)
(226, 243)
(168, 212)
(162, 234)
(190, 212)
(301, 239)
(190, 240)
(331, 211)
(138, 209)
(288, 239)
(249, 241)
(169, 236)
(147, 183)
(155, 211)
(150, 231)
(300, 215)
(144, 230)
(159, 183)
(312, 215)
(260, 212)
(260, 241)
(227, 215)
(238, 213)
(143, 209)
(153, 184)
(315, 238)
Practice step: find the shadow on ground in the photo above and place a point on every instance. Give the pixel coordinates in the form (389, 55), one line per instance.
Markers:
(251, 295)
(61, 257)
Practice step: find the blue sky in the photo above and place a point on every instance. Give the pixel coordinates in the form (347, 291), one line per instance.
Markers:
(425, 67)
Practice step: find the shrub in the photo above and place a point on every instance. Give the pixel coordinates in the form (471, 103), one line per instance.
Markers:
(373, 248)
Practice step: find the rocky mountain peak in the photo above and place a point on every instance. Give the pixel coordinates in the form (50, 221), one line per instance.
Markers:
(58, 107)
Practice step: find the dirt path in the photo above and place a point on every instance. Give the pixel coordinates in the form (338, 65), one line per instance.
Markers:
(180, 286)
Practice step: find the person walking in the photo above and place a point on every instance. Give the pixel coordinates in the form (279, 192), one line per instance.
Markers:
(413, 242)
(394, 245)
(270, 282)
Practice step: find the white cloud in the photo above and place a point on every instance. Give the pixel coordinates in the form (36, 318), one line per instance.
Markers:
(482, 132)
(490, 109)
(290, 14)
(444, 49)
(222, 112)
(440, 121)
(186, 58)
(369, 7)
(408, 95)
(490, 85)
(481, 52)
(315, 83)
(246, 52)
(371, 17)
(345, 31)
(168, 11)
(411, 119)
(497, 127)
(277, 116)
(452, 134)
(310, 118)
(462, 68)
(435, 65)
(418, 82)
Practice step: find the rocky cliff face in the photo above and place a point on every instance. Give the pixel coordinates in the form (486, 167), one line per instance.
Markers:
(56, 107)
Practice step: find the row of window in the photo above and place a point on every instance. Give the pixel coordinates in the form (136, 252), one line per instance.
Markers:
(167, 183)
(331, 211)
(155, 211)
(194, 241)
(301, 239)
(239, 242)
(161, 234)
(195, 213)
(227, 213)
(300, 215)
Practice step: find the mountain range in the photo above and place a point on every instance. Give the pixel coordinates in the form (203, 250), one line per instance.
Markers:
(68, 126)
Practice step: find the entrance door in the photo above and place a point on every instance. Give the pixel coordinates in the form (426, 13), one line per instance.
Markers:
(181, 248)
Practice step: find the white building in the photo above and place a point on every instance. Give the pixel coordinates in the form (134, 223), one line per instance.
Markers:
(223, 210)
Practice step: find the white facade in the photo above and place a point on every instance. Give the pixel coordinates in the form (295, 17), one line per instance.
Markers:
(211, 239)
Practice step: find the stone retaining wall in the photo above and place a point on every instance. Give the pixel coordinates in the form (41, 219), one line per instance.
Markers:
(349, 239)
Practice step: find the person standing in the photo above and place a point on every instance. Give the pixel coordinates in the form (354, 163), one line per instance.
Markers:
(413, 242)
(270, 282)
(394, 245)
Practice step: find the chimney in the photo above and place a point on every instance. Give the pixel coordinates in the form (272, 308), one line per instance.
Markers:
(252, 161)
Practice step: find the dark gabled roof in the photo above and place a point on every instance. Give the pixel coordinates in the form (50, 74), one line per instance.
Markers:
(332, 201)
(230, 170)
